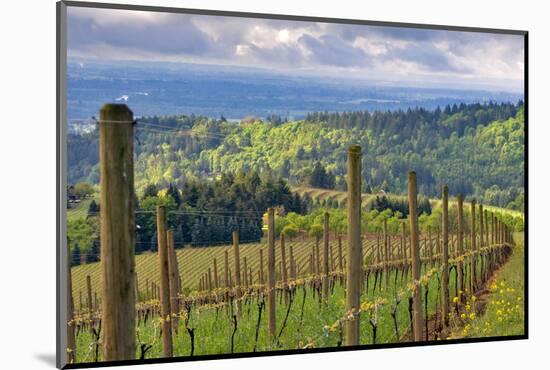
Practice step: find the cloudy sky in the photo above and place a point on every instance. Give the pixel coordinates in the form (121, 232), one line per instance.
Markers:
(399, 55)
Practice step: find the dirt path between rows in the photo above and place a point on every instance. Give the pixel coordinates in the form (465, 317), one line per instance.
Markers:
(435, 324)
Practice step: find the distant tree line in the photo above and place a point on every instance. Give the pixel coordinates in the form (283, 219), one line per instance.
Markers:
(203, 212)
(398, 204)
(476, 149)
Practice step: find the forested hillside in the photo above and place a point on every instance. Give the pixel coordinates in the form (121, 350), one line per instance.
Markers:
(476, 149)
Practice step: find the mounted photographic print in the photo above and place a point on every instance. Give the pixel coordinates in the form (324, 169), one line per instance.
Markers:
(236, 184)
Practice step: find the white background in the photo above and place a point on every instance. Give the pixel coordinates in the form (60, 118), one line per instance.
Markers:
(27, 167)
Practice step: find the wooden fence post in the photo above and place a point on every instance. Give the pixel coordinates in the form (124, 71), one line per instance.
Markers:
(418, 321)
(332, 262)
(404, 246)
(292, 264)
(271, 272)
(354, 250)
(237, 263)
(226, 275)
(492, 228)
(340, 259)
(473, 265)
(325, 257)
(386, 260)
(262, 282)
(71, 343)
(445, 258)
(173, 274)
(481, 243)
(90, 303)
(460, 244)
(284, 275)
(165, 306)
(209, 280)
(486, 216)
(317, 256)
(117, 231)
(216, 281)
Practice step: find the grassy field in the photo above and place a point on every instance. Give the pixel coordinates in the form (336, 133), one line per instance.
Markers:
(195, 261)
(213, 327)
(309, 323)
(504, 312)
(326, 194)
(79, 210)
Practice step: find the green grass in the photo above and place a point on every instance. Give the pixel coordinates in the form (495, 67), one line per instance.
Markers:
(325, 194)
(79, 210)
(505, 311)
(213, 328)
(195, 261)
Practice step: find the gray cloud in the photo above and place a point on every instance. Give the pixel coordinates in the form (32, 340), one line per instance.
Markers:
(334, 51)
(428, 58)
(178, 35)
(326, 48)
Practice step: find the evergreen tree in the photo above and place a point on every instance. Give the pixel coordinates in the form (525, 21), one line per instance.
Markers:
(75, 259)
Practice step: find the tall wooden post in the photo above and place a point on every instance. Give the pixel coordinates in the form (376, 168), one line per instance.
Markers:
(71, 342)
(418, 321)
(481, 227)
(460, 242)
(340, 256)
(325, 257)
(317, 256)
(237, 263)
(340, 260)
(173, 275)
(271, 271)
(292, 264)
(404, 242)
(284, 275)
(262, 282)
(117, 231)
(216, 281)
(473, 272)
(492, 228)
(486, 216)
(90, 304)
(488, 253)
(354, 252)
(498, 231)
(165, 306)
(481, 242)
(445, 257)
(226, 274)
(386, 255)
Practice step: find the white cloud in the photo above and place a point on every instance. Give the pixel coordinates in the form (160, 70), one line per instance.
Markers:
(384, 53)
